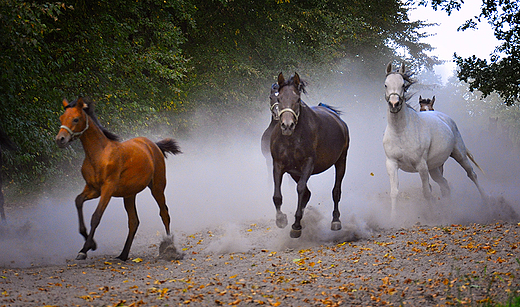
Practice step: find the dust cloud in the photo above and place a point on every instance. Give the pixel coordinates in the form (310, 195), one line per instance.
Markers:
(221, 184)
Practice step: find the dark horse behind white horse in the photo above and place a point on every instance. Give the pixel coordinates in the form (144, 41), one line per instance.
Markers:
(5, 143)
(420, 141)
(265, 142)
(305, 141)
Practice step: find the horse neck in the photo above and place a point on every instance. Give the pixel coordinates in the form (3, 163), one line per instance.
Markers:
(400, 120)
(93, 139)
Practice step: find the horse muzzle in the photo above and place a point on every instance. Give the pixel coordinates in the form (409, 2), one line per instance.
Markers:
(394, 102)
(63, 139)
(288, 121)
(287, 127)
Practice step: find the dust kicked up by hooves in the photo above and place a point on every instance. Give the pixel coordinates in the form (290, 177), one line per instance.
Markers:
(168, 251)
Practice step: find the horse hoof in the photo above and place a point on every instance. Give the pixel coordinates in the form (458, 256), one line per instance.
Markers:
(335, 226)
(281, 220)
(295, 233)
(122, 258)
(81, 256)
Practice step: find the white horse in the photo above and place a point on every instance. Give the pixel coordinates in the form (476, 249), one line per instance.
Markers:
(420, 141)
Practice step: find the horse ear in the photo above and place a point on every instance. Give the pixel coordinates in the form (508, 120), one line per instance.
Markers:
(420, 98)
(433, 100)
(402, 70)
(296, 79)
(65, 102)
(281, 79)
(389, 68)
(80, 103)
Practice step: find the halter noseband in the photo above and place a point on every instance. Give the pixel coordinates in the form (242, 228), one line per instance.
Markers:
(73, 134)
(290, 111)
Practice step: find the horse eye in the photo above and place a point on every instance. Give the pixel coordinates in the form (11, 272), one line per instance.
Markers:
(76, 120)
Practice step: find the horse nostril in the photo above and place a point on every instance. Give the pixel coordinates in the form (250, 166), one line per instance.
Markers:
(292, 126)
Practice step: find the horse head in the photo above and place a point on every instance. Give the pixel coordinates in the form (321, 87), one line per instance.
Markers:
(273, 100)
(74, 122)
(396, 85)
(426, 104)
(289, 102)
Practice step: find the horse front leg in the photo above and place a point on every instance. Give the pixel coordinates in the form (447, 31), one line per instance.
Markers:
(90, 244)
(341, 166)
(133, 223)
(392, 169)
(304, 195)
(87, 194)
(281, 218)
(2, 212)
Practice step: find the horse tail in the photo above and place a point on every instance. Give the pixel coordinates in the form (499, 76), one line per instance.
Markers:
(168, 146)
(470, 156)
(333, 109)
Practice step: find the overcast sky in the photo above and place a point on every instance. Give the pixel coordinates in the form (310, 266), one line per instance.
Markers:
(447, 41)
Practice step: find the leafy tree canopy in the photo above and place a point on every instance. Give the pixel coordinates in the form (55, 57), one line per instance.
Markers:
(501, 74)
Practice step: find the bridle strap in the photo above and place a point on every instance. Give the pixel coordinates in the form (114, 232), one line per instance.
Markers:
(290, 111)
(388, 96)
(276, 115)
(75, 134)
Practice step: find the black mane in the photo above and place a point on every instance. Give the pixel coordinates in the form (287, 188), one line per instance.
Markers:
(90, 110)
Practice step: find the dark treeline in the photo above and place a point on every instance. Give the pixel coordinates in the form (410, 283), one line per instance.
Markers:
(149, 64)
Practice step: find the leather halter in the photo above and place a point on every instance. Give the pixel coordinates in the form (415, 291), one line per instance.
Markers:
(73, 134)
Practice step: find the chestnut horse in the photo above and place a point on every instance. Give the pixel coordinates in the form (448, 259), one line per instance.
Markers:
(114, 169)
(306, 141)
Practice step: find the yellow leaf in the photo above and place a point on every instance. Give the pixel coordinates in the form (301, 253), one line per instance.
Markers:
(137, 260)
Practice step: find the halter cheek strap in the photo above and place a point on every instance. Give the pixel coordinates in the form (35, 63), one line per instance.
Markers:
(274, 111)
(75, 134)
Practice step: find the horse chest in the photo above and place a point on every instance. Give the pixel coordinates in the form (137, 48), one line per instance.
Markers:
(291, 153)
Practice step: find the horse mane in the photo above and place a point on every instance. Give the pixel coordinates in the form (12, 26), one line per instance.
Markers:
(408, 81)
(300, 86)
(90, 110)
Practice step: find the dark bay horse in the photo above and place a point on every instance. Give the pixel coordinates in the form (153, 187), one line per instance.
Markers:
(306, 141)
(5, 143)
(265, 142)
(114, 169)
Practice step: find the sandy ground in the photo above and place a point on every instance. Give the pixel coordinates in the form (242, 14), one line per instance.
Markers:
(252, 264)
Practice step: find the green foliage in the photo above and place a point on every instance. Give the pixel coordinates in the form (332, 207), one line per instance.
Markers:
(148, 64)
(126, 56)
(240, 46)
(501, 73)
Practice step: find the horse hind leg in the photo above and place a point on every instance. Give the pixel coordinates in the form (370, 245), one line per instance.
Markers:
(461, 157)
(158, 194)
(436, 175)
(133, 224)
